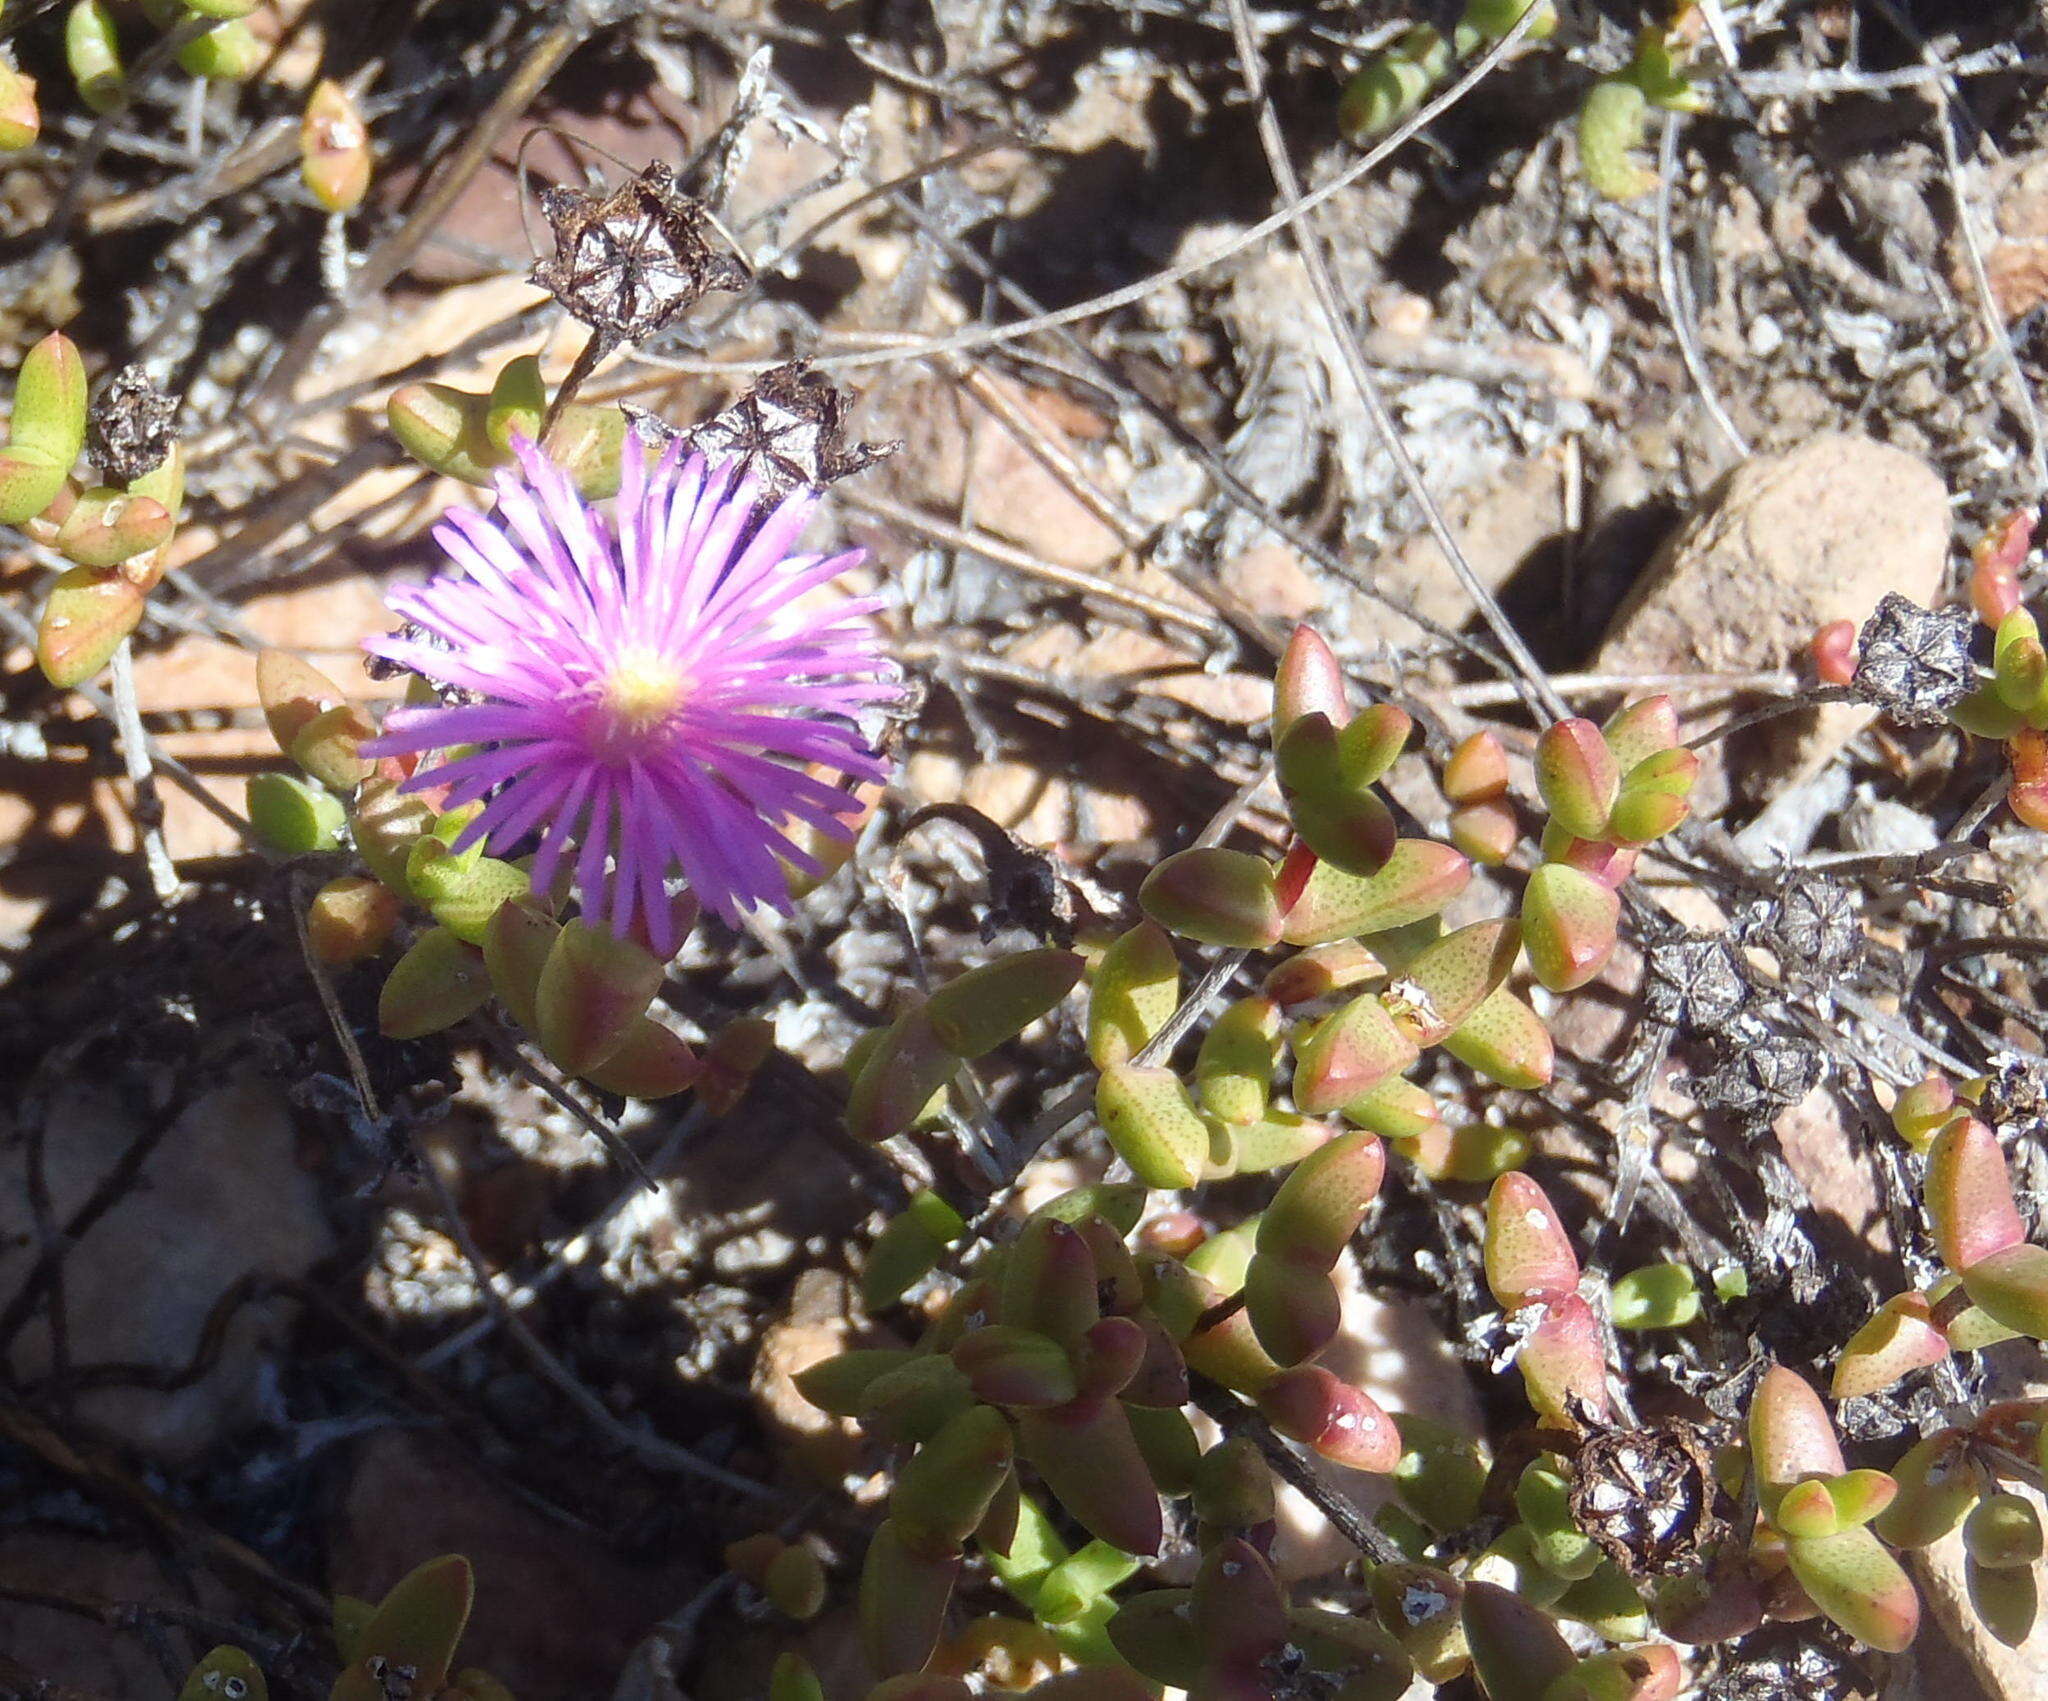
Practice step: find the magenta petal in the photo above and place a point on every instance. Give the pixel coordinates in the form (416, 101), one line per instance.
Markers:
(644, 691)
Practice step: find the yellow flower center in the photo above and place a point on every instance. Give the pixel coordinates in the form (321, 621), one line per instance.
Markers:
(637, 698)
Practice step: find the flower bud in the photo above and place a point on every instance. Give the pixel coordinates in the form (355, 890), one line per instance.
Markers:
(334, 148)
(1216, 897)
(1833, 651)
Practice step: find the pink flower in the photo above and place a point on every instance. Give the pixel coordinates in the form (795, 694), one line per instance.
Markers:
(644, 691)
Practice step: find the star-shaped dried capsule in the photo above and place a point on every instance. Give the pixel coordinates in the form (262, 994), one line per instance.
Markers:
(1812, 929)
(1914, 663)
(128, 431)
(788, 432)
(629, 264)
(1757, 1072)
(1694, 982)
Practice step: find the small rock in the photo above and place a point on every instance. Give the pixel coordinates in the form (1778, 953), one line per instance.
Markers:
(1499, 525)
(62, 1648)
(557, 1612)
(219, 1198)
(1781, 546)
(821, 1323)
(2001, 1673)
